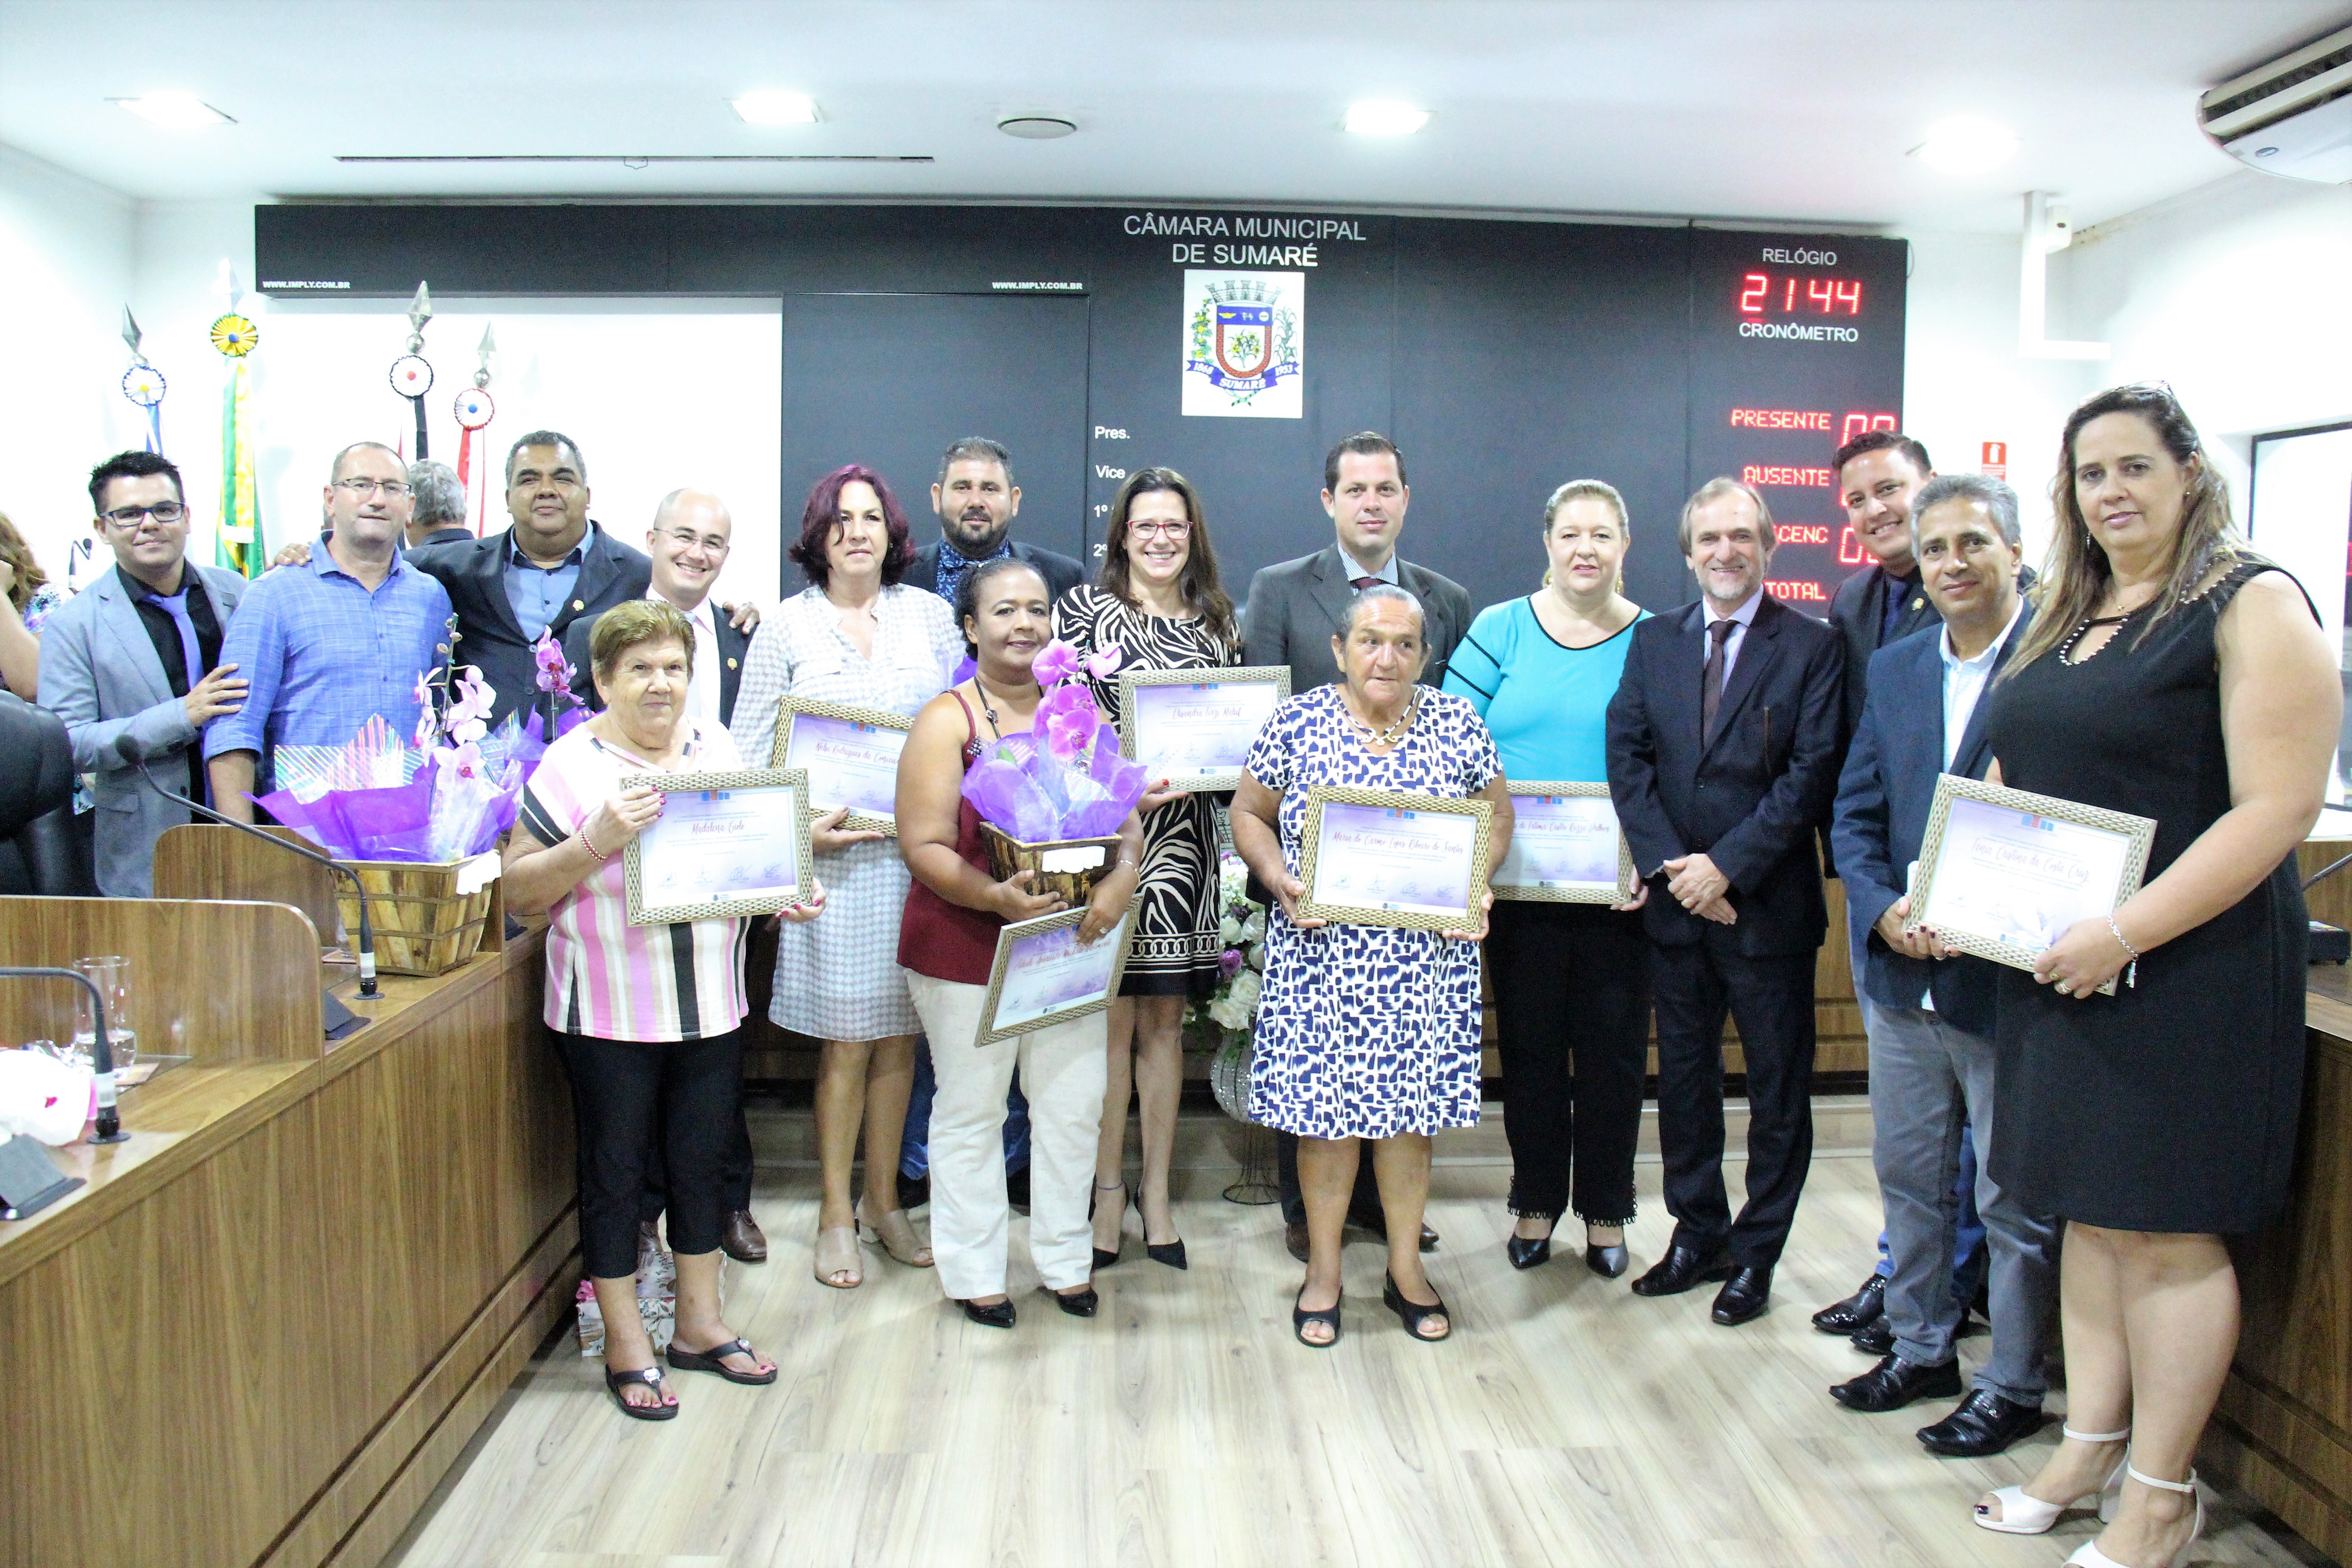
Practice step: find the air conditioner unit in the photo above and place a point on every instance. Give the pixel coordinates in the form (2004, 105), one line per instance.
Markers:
(2292, 117)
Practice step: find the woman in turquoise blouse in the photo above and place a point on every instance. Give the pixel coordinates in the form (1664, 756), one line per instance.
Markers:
(1571, 981)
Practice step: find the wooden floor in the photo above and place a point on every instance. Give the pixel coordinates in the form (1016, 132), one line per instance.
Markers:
(1566, 1422)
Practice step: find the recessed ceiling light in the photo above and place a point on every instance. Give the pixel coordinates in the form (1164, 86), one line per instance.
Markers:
(174, 111)
(769, 107)
(1385, 117)
(1967, 146)
(1036, 127)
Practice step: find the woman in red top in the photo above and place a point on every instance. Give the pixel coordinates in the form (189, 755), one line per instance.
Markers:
(947, 945)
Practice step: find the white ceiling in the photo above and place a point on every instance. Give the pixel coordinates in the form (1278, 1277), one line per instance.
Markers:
(1789, 110)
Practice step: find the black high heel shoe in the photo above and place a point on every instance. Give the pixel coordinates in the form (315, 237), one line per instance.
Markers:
(1171, 1253)
(1608, 1262)
(1078, 1303)
(1000, 1316)
(1526, 1254)
(1105, 1259)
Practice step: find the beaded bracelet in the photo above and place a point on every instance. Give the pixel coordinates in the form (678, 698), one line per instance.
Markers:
(590, 845)
(2131, 979)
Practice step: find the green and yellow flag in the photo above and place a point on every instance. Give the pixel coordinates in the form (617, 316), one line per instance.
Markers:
(238, 541)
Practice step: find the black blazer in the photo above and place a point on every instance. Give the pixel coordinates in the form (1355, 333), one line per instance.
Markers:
(474, 571)
(1857, 610)
(1061, 573)
(1751, 795)
(733, 647)
(1882, 802)
(1296, 607)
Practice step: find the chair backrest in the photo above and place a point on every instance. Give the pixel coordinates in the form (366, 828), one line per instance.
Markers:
(43, 848)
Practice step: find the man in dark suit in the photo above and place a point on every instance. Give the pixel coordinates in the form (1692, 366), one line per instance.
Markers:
(1723, 755)
(1931, 1019)
(976, 500)
(1295, 609)
(436, 506)
(1878, 473)
(687, 546)
(551, 568)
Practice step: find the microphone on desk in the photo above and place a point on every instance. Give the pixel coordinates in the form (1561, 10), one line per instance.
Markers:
(367, 929)
(101, 1048)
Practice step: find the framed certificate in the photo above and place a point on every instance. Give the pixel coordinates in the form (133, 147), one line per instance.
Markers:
(1385, 858)
(2003, 873)
(726, 844)
(851, 757)
(1042, 977)
(1565, 847)
(1195, 727)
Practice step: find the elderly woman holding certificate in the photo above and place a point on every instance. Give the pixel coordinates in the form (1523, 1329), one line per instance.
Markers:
(947, 946)
(1571, 979)
(2170, 673)
(1367, 1031)
(647, 1018)
(856, 637)
(1157, 606)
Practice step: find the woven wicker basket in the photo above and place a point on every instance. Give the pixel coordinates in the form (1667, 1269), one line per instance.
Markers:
(1007, 854)
(424, 925)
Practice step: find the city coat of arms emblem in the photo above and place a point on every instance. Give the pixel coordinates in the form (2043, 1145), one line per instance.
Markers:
(1244, 344)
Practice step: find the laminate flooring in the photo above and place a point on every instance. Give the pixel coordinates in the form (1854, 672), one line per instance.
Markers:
(1566, 1422)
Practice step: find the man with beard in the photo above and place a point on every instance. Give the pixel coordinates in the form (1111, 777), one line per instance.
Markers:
(977, 502)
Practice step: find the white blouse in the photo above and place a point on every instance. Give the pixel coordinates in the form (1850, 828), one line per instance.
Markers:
(802, 650)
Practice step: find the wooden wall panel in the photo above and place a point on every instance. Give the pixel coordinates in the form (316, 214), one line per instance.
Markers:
(205, 860)
(219, 982)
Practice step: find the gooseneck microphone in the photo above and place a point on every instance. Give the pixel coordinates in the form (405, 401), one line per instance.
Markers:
(367, 929)
(101, 1048)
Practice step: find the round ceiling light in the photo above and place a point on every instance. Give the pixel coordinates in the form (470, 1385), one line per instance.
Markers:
(1036, 127)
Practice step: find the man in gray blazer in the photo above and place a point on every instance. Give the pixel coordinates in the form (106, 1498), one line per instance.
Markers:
(1295, 609)
(129, 664)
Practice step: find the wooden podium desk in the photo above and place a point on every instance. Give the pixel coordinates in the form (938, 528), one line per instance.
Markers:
(2284, 1430)
(273, 1318)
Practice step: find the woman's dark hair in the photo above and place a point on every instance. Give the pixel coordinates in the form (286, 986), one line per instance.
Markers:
(2076, 572)
(967, 599)
(19, 555)
(1202, 594)
(820, 517)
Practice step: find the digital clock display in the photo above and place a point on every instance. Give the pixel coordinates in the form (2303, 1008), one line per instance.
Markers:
(1761, 295)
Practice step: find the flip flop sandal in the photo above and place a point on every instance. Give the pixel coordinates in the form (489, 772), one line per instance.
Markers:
(651, 1377)
(713, 1360)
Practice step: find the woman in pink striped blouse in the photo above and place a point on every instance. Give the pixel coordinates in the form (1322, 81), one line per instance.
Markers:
(649, 1019)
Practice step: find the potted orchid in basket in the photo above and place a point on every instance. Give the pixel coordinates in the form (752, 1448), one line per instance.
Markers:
(1051, 801)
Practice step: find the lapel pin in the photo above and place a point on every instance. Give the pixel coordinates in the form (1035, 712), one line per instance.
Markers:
(577, 605)
(731, 664)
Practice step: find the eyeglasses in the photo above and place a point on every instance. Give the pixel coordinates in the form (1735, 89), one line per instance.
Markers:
(394, 488)
(712, 543)
(1170, 530)
(128, 517)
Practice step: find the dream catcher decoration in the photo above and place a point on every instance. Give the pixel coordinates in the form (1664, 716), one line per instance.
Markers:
(142, 384)
(473, 410)
(411, 376)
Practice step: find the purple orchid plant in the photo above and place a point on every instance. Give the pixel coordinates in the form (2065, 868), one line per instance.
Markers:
(1066, 778)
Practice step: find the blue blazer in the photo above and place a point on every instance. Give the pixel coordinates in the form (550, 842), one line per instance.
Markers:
(1884, 798)
(1751, 795)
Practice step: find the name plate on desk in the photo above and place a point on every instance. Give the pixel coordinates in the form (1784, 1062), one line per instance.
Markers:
(2003, 872)
(30, 1180)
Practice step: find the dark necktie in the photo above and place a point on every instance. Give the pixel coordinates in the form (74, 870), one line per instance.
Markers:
(1718, 634)
(1361, 584)
(176, 606)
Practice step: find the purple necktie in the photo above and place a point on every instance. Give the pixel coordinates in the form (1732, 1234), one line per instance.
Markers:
(1712, 699)
(176, 606)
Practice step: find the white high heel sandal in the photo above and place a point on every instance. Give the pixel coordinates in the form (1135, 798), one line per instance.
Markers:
(2089, 1554)
(2024, 1514)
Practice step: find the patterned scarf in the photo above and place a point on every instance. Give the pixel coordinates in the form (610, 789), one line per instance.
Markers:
(954, 566)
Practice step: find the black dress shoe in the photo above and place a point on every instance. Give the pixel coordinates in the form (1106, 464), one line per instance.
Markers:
(1294, 1239)
(1683, 1268)
(1743, 1298)
(1000, 1316)
(1864, 1306)
(1607, 1261)
(1984, 1423)
(1078, 1303)
(1428, 1239)
(1875, 1337)
(1526, 1254)
(1895, 1382)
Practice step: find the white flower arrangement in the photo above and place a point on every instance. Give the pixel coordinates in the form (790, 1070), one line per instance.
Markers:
(1231, 1008)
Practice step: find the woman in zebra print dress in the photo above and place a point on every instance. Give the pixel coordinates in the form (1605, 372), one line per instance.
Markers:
(1158, 602)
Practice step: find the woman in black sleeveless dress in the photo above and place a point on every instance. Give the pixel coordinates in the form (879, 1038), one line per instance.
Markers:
(2171, 674)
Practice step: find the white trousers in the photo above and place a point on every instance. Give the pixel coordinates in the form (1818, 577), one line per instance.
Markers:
(1062, 1074)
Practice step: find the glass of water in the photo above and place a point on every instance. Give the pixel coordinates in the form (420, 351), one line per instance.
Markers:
(111, 975)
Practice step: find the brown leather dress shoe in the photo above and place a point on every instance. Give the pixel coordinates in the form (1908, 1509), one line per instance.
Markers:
(741, 1239)
(1294, 1239)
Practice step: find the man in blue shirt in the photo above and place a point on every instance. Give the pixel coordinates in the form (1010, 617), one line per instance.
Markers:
(330, 643)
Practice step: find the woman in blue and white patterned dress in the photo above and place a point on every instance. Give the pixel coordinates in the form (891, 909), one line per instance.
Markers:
(857, 636)
(1365, 1032)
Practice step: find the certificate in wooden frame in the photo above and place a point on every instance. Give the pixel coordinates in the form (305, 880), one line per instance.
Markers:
(790, 707)
(2138, 833)
(990, 1032)
(1275, 675)
(743, 779)
(1626, 885)
(1310, 841)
